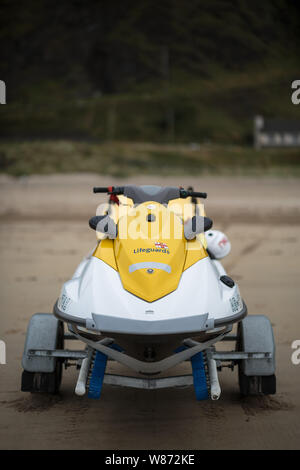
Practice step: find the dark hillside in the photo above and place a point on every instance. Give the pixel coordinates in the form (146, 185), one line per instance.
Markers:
(168, 70)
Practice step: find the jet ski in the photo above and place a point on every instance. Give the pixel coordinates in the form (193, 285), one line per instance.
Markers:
(151, 295)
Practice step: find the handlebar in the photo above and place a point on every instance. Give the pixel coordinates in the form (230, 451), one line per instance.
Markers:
(184, 194)
(117, 190)
(109, 190)
(100, 190)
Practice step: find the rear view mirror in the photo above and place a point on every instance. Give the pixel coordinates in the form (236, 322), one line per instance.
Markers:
(104, 224)
(196, 225)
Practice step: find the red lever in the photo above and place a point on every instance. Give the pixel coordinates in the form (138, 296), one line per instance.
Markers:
(114, 198)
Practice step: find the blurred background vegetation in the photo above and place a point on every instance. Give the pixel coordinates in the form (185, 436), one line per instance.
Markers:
(89, 82)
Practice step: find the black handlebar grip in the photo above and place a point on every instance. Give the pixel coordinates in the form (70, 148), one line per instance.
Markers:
(196, 194)
(100, 190)
(184, 194)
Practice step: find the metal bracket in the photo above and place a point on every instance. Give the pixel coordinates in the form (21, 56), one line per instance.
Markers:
(149, 384)
(217, 355)
(64, 353)
(238, 355)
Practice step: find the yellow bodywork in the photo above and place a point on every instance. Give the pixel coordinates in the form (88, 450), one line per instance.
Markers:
(160, 241)
(105, 252)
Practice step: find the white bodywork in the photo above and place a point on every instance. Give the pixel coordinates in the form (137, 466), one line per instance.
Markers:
(203, 306)
(96, 288)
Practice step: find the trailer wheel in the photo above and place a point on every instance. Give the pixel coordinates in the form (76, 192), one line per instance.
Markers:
(46, 382)
(256, 376)
(256, 384)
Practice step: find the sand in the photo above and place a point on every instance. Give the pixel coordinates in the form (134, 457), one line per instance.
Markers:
(43, 236)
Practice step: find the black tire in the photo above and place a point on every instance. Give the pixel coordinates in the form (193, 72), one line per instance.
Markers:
(45, 382)
(253, 384)
(256, 384)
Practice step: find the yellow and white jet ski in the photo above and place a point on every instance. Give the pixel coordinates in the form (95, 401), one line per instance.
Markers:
(151, 295)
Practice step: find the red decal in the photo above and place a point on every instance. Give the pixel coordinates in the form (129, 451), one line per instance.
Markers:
(161, 245)
(223, 242)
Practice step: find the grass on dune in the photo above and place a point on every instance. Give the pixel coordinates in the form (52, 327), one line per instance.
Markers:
(125, 158)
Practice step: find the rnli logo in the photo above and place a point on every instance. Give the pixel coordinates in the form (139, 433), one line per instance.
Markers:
(161, 245)
(159, 248)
